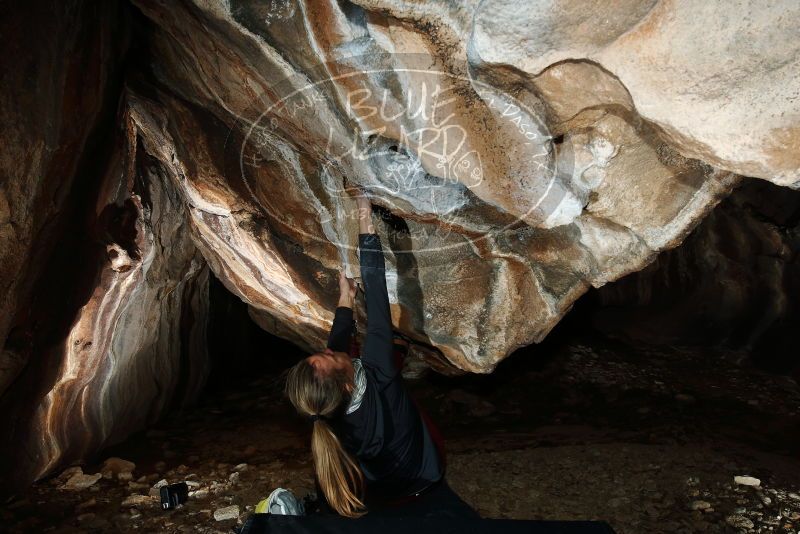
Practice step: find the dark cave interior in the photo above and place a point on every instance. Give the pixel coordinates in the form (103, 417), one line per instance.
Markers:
(639, 407)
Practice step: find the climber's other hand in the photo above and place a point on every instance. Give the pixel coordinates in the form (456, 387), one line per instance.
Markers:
(347, 290)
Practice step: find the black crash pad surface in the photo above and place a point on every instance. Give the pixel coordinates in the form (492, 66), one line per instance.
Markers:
(319, 524)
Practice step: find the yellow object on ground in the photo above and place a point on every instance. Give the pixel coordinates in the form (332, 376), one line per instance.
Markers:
(263, 506)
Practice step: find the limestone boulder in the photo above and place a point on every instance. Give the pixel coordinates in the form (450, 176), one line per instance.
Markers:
(60, 82)
(506, 189)
(116, 355)
(719, 81)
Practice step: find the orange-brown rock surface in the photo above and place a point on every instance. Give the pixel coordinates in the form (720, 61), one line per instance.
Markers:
(511, 191)
(58, 79)
(517, 153)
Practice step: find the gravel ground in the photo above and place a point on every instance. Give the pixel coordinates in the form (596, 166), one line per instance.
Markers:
(648, 440)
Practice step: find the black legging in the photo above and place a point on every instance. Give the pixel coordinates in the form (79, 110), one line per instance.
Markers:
(440, 501)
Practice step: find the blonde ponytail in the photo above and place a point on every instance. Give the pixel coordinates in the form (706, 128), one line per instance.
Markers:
(338, 473)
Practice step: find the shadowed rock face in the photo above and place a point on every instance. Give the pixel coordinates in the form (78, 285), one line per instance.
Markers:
(59, 63)
(123, 338)
(516, 159)
(730, 282)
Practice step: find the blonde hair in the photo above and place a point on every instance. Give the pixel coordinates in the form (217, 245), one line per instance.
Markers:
(338, 473)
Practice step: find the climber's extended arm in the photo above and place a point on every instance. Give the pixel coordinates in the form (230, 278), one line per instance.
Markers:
(341, 330)
(377, 352)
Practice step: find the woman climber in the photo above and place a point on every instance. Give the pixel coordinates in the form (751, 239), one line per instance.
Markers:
(372, 448)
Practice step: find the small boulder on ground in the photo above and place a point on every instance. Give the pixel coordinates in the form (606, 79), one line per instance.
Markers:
(80, 481)
(68, 473)
(747, 481)
(700, 505)
(739, 521)
(137, 500)
(155, 491)
(199, 494)
(226, 513)
(117, 468)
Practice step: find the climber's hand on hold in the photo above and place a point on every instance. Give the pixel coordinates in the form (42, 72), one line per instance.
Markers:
(362, 201)
(364, 213)
(347, 291)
